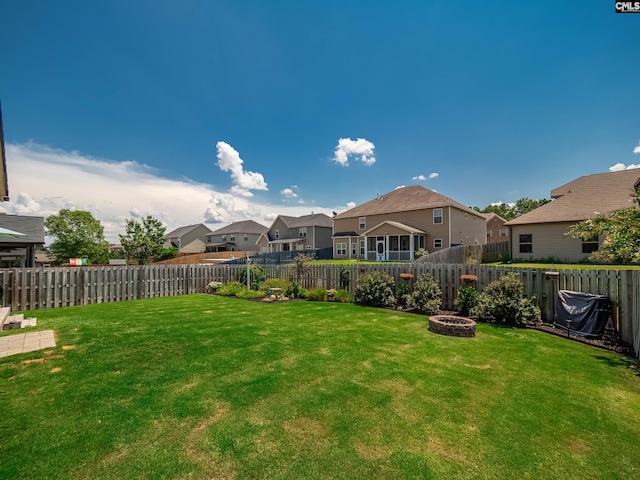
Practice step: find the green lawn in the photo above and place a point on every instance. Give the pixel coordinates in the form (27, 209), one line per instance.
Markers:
(205, 387)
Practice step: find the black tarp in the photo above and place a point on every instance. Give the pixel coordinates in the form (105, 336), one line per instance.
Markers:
(588, 313)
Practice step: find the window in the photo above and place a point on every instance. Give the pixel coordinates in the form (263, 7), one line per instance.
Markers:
(308, 247)
(504, 232)
(302, 231)
(526, 243)
(277, 234)
(341, 248)
(354, 249)
(263, 249)
(489, 233)
(393, 243)
(404, 243)
(437, 215)
(362, 223)
(224, 238)
(208, 238)
(232, 237)
(437, 243)
(590, 244)
(362, 247)
(371, 244)
(246, 237)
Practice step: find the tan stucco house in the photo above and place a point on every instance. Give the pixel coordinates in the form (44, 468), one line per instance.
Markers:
(188, 239)
(308, 232)
(237, 237)
(393, 226)
(541, 233)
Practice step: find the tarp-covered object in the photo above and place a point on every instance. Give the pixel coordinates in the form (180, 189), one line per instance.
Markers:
(588, 313)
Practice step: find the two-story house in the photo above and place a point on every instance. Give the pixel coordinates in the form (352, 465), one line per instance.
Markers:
(308, 232)
(391, 227)
(239, 236)
(188, 239)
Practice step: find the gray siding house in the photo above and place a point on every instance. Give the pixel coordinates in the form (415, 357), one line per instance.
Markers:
(308, 232)
(237, 237)
(541, 233)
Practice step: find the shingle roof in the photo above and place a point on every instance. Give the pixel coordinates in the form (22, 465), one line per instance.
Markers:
(180, 231)
(32, 227)
(403, 199)
(313, 220)
(586, 197)
(245, 226)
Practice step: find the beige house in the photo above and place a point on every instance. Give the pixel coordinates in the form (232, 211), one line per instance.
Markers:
(541, 233)
(308, 232)
(188, 239)
(497, 232)
(237, 237)
(393, 226)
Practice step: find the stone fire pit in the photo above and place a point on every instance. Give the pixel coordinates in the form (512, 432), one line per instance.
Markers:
(452, 326)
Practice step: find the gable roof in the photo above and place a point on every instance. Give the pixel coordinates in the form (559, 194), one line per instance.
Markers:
(401, 226)
(245, 226)
(31, 227)
(313, 220)
(415, 197)
(181, 231)
(585, 198)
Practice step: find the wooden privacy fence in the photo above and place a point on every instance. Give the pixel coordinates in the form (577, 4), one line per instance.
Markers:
(34, 288)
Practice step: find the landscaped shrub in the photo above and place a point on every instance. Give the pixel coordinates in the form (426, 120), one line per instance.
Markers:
(294, 290)
(375, 289)
(230, 289)
(213, 287)
(426, 296)
(503, 300)
(257, 275)
(466, 299)
(344, 277)
(317, 295)
(421, 252)
(247, 294)
(402, 294)
(343, 296)
(331, 293)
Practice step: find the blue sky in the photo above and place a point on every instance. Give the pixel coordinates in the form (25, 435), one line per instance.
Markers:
(146, 107)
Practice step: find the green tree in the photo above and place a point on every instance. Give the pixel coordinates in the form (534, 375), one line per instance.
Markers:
(511, 211)
(77, 235)
(621, 229)
(142, 241)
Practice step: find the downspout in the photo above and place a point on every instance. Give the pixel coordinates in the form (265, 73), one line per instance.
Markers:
(449, 220)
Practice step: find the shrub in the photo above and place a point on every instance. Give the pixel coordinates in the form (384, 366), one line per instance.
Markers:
(257, 275)
(421, 252)
(344, 277)
(230, 289)
(213, 287)
(282, 283)
(294, 290)
(503, 300)
(317, 295)
(302, 263)
(402, 294)
(375, 289)
(343, 296)
(466, 299)
(426, 296)
(247, 294)
(330, 294)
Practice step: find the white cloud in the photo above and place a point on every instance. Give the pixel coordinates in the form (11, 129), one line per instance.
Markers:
(419, 178)
(43, 180)
(636, 149)
(621, 166)
(229, 160)
(288, 193)
(497, 204)
(135, 213)
(362, 150)
(399, 187)
(351, 205)
(433, 175)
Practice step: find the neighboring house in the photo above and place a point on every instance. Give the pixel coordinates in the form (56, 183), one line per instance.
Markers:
(43, 259)
(308, 232)
(497, 232)
(189, 239)
(20, 251)
(393, 226)
(237, 237)
(541, 233)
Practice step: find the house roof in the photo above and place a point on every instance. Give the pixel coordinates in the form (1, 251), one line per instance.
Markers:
(401, 226)
(346, 234)
(491, 215)
(403, 199)
(313, 220)
(32, 227)
(245, 226)
(181, 231)
(585, 198)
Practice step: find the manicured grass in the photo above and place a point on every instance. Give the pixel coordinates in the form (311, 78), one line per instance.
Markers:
(210, 387)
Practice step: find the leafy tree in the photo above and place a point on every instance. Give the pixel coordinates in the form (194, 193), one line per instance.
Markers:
(142, 241)
(511, 211)
(77, 235)
(622, 235)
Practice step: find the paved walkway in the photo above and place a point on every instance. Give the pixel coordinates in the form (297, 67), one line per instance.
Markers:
(26, 342)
